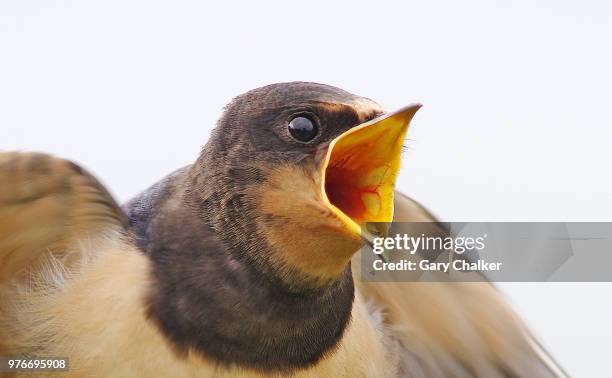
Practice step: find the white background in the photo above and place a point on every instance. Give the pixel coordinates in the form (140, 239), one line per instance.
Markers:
(516, 123)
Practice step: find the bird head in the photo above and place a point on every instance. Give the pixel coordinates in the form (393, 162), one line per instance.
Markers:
(294, 171)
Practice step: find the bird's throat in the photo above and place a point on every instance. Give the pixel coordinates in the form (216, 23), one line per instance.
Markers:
(211, 298)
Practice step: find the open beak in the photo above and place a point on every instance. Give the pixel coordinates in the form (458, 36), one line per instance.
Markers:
(359, 171)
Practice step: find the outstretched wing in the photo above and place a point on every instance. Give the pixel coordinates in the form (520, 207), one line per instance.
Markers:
(459, 329)
(46, 205)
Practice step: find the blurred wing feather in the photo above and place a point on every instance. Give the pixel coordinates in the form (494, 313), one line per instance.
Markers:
(459, 329)
(46, 205)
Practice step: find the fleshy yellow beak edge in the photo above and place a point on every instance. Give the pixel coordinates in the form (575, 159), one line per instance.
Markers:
(360, 168)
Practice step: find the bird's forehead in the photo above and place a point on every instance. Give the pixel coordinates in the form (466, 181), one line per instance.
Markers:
(289, 96)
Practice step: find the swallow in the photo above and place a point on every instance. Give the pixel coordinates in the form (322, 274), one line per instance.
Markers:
(244, 263)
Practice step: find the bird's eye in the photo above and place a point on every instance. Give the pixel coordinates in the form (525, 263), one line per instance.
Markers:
(302, 129)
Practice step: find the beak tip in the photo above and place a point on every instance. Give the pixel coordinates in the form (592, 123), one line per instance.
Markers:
(410, 110)
(416, 106)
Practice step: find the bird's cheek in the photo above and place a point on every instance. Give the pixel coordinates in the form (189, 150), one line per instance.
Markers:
(302, 230)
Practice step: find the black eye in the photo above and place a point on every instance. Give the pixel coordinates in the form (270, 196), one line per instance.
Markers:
(302, 129)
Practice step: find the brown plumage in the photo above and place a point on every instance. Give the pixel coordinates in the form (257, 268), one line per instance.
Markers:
(239, 265)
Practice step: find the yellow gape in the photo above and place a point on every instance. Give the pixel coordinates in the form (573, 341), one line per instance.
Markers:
(360, 168)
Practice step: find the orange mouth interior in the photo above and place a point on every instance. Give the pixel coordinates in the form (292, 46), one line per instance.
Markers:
(361, 167)
(348, 191)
